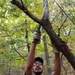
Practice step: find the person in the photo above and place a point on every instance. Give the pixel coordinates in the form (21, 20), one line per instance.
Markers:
(34, 65)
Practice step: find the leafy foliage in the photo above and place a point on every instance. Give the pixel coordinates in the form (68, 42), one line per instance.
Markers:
(13, 25)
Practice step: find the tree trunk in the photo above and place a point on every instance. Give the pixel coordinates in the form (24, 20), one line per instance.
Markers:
(28, 47)
(46, 55)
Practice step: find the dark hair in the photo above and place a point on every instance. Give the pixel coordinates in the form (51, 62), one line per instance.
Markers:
(39, 59)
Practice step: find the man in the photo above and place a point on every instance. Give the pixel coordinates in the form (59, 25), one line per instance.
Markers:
(34, 65)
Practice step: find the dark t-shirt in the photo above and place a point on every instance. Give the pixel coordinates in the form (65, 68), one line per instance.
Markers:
(30, 74)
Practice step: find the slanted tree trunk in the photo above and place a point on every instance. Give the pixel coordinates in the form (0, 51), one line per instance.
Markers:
(46, 55)
(58, 43)
(45, 23)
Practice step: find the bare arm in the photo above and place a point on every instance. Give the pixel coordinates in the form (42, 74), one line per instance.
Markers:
(30, 60)
(57, 65)
(31, 55)
(57, 68)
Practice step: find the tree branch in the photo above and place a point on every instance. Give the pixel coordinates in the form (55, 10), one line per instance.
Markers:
(18, 53)
(61, 26)
(65, 13)
(46, 10)
(25, 10)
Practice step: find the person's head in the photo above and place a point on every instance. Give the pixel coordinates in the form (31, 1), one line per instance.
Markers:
(38, 66)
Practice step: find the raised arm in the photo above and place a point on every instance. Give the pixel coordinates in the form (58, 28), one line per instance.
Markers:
(31, 55)
(57, 64)
(57, 67)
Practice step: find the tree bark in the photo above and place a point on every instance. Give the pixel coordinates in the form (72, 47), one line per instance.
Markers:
(46, 55)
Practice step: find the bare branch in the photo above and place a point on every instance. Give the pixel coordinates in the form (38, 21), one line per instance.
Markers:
(25, 10)
(18, 53)
(61, 26)
(56, 16)
(46, 10)
(65, 13)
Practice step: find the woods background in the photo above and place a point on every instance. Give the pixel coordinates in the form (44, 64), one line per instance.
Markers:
(16, 30)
